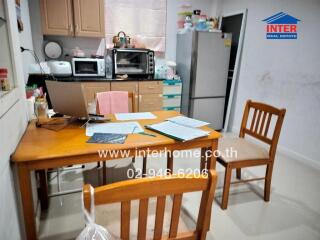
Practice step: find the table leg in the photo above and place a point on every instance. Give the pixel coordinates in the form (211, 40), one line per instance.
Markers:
(43, 189)
(203, 160)
(104, 173)
(211, 163)
(27, 201)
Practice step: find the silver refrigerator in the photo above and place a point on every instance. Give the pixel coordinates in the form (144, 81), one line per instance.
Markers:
(202, 63)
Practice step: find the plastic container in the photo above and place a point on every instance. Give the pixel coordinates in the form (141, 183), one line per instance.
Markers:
(185, 9)
(177, 109)
(172, 87)
(172, 101)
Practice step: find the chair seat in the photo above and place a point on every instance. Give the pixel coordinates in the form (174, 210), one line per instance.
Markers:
(246, 150)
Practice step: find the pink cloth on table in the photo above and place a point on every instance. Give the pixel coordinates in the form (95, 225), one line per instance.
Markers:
(112, 102)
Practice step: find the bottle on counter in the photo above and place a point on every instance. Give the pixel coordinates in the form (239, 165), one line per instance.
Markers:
(4, 81)
(109, 67)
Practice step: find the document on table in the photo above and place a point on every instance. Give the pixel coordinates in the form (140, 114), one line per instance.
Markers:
(177, 131)
(119, 128)
(134, 116)
(189, 122)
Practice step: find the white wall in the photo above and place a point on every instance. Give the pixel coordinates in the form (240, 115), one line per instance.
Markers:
(284, 73)
(25, 38)
(12, 126)
(35, 19)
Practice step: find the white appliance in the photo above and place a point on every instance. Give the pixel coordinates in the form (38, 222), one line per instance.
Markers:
(88, 67)
(60, 68)
(202, 63)
(35, 68)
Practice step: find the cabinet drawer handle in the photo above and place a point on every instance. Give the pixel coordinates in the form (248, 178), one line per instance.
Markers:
(151, 87)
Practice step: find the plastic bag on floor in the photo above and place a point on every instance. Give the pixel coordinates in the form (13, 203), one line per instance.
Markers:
(92, 231)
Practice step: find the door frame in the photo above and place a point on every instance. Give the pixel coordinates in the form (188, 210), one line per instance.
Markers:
(236, 69)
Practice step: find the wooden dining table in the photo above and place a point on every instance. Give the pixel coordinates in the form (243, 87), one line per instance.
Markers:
(41, 149)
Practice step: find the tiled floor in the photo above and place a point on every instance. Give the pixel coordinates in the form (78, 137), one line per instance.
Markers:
(292, 213)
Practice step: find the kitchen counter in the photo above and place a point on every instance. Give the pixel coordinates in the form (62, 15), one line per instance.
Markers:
(100, 79)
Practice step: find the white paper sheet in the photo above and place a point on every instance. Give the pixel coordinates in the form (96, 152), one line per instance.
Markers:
(120, 128)
(134, 116)
(189, 122)
(178, 131)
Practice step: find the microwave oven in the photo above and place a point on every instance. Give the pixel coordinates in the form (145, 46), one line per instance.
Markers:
(88, 67)
(134, 62)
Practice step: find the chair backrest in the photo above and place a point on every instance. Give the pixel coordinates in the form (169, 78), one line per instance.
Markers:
(160, 187)
(132, 97)
(131, 100)
(260, 124)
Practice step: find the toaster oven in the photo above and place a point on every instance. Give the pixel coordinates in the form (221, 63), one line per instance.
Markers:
(136, 63)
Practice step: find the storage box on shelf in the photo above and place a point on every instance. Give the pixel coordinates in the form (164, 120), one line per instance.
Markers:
(172, 95)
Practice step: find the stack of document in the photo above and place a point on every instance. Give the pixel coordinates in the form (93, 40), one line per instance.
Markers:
(117, 128)
(177, 131)
(188, 122)
(134, 116)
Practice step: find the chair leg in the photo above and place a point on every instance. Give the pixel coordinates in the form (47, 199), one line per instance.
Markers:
(226, 187)
(238, 173)
(267, 182)
(169, 164)
(98, 164)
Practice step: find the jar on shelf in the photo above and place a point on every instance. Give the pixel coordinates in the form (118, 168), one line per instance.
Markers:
(41, 108)
(4, 81)
(185, 9)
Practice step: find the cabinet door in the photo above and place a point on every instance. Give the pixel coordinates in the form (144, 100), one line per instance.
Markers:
(89, 18)
(56, 17)
(150, 102)
(129, 87)
(90, 90)
(150, 87)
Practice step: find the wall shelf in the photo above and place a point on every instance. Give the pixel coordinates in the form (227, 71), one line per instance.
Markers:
(2, 19)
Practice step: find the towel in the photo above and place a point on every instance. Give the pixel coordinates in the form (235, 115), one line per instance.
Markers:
(119, 102)
(103, 103)
(112, 102)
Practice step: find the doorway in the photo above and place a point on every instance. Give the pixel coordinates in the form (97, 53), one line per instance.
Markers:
(233, 23)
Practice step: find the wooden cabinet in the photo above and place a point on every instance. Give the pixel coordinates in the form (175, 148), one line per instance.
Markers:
(82, 18)
(89, 18)
(150, 102)
(150, 87)
(90, 90)
(129, 87)
(57, 17)
(150, 96)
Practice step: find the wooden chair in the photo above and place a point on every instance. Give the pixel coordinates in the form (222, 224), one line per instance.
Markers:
(144, 188)
(132, 102)
(132, 108)
(248, 153)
